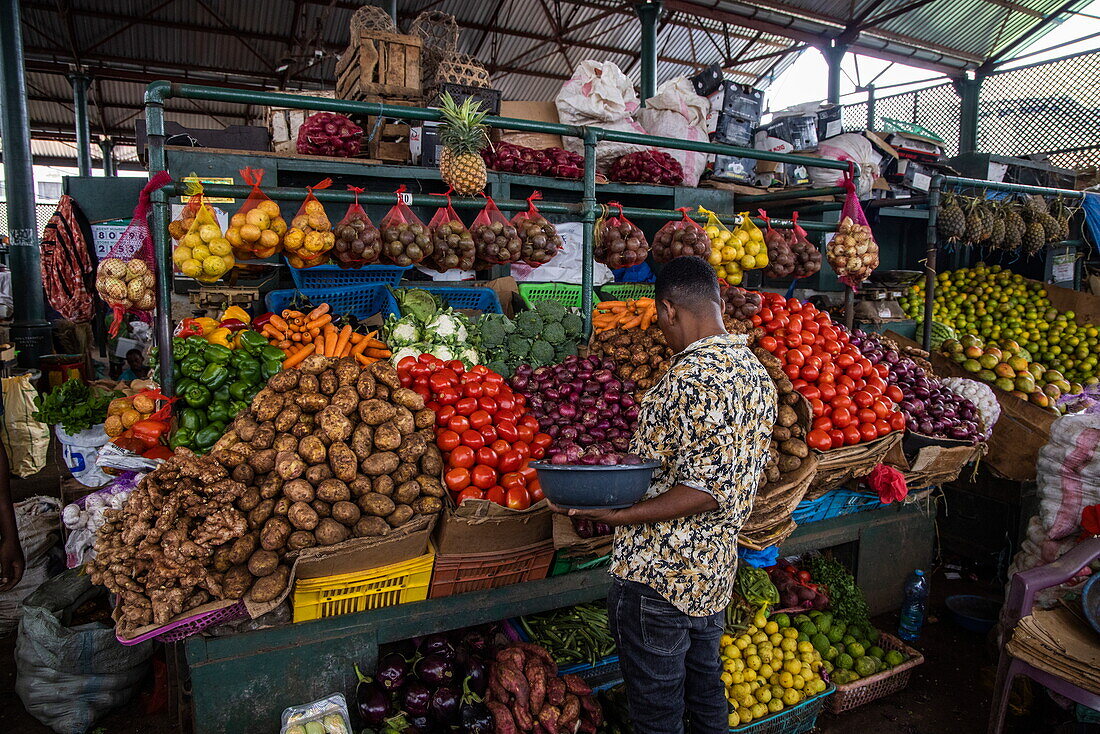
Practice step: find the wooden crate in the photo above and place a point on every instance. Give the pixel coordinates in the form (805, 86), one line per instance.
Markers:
(283, 122)
(378, 63)
(386, 140)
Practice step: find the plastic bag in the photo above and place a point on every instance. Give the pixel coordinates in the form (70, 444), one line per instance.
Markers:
(310, 236)
(79, 450)
(806, 254)
(68, 677)
(182, 224)
(781, 260)
(567, 265)
(853, 147)
(539, 240)
(26, 440)
(852, 253)
(725, 251)
(36, 522)
(126, 279)
(677, 112)
(452, 244)
(599, 94)
(889, 483)
(204, 253)
(679, 237)
(619, 242)
(405, 239)
(258, 227)
(331, 712)
(496, 240)
(358, 241)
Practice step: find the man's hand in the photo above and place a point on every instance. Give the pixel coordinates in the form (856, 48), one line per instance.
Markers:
(605, 516)
(11, 563)
(679, 501)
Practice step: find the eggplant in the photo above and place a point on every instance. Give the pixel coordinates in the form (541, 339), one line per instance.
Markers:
(393, 669)
(437, 645)
(477, 676)
(420, 725)
(476, 640)
(418, 698)
(371, 700)
(445, 705)
(435, 670)
(476, 719)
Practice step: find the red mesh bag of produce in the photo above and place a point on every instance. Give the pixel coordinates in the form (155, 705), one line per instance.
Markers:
(310, 236)
(405, 239)
(126, 279)
(539, 240)
(496, 239)
(256, 230)
(781, 260)
(452, 244)
(619, 242)
(182, 224)
(682, 236)
(853, 252)
(806, 255)
(358, 241)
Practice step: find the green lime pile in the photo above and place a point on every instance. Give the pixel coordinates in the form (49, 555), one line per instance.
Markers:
(849, 651)
(998, 305)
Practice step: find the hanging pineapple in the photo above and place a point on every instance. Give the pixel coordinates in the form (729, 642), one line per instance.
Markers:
(997, 231)
(975, 225)
(1015, 227)
(1063, 214)
(951, 224)
(462, 135)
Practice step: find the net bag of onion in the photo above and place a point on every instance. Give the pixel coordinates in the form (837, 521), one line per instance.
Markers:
(358, 242)
(204, 253)
(781, 261)
(619, 243)
(496, 239)
(806, 255)
(853, 252)
(125, 279)
(452, 244)
(326, 133)
(647, 166)
(679, 237)
(539, 240)
(257, 229)
(405, 239)
(505, 156)
(182, 224)
(310, 236)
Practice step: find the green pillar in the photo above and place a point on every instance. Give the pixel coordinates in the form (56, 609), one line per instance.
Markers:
(648, 13)
(30, 331)
(834, 55)
(970, 96)
(107, 147)
(870, 106)
(80, 84)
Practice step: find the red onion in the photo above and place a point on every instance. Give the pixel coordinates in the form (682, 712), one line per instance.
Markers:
(325, 133)
(511, 158)
(647, 166)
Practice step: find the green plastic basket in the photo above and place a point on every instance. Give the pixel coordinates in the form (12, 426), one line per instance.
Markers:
(626, 291)
(563, 565)
(567, 294)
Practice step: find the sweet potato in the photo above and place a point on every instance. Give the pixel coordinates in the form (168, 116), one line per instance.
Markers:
(270, 587)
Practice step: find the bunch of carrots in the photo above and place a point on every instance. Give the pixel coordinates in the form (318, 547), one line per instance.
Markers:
(302, 334)
(639, 313)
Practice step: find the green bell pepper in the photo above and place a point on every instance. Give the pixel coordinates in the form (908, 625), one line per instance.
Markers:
(238, 405)
(272, 354)
(217, 354)
(193, 366)
(197, 396)
(222, 394)
(239, 390)
(183, 437)
(177, 373)
(214, 376)
(191, 419)
(209, 435)
(184, 385)
(248, 372)
(181, 348)
(252, 341)
(270, 369)
(219, 411)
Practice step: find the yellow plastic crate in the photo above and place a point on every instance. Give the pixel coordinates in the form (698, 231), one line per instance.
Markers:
(347, 593)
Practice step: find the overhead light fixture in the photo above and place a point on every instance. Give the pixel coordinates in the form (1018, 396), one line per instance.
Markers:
(282, 67)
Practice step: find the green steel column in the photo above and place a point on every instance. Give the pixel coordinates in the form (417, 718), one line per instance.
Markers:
(648, 13)
(80, 84)
(162, 252)
(30, 331)
(834, 55)
(107, 147)
(391, 7)
(588, 216)
(870, 106)
(932, 241)
(970, 94)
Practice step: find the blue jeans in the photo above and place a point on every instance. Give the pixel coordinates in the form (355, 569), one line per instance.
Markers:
(669, 660)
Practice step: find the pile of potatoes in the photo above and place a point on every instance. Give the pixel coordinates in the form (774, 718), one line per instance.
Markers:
(788, 446)
(328, 451)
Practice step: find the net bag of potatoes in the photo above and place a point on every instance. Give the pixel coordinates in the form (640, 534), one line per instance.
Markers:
(496, 239)
(539, 240)
(204, 253)
(310, 236)
(405, 239)
(781, 262)
(256, 231)
(358, 241)
(807, 256)
(853, 252)
(126, 279)
(452, 244)
(679, 237)
(619, 242)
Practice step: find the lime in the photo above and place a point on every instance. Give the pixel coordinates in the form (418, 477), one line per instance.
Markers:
(866, 666)
(844, 661)
(830, 653)
(876, 652)
(782, 619)
(820, 642)
(855, 649)
(808, 628)
(800, 619)
(894, 658)
(836, 633)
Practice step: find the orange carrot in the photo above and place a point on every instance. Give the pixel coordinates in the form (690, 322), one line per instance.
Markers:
(365, 360)
(318, 312)
(296, 359)
(357, 350)
(330, 343)
(380, 353)
(342, 339)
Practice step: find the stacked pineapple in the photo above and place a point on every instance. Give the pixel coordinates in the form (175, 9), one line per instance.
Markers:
(462, 135)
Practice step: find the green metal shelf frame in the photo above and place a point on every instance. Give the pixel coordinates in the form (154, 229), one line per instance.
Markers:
(587, 209)
(935, 191)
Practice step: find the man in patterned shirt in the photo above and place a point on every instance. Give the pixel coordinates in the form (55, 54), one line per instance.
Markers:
(707, 421)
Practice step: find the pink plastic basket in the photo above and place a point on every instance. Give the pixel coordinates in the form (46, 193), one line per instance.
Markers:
(184, 628)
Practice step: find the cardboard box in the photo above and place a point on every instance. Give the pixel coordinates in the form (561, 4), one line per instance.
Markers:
(798, 130)
(830, 121)
(741, 100)
(913, 175)
(481, 526)
(915, 148)
(708, 81)
(732, 130)
(361, 554)
(732, 168)
(536, 111)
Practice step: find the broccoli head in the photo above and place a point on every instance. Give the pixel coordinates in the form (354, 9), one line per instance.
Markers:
(492, 330)
(542, 353)
(529, 324)
(518, 346)
(565, 349)
(550, 310)
(554, 333)
(574, 325)
(500, 367)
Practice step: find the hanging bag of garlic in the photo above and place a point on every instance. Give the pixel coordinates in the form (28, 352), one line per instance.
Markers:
(853, 252)
(126, 278)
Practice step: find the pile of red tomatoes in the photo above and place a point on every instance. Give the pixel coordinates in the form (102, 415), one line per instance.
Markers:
(484, 430)
(851, 400)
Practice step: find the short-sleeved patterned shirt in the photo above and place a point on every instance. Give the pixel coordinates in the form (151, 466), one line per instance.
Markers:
(708, 421)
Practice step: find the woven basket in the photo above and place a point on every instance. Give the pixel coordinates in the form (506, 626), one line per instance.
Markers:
(371, 18)
(456, 68)
(758, 540)
(837, 466)
(438, 31)
(850, 695)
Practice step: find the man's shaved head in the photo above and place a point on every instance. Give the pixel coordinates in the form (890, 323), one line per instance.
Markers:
(688, 282)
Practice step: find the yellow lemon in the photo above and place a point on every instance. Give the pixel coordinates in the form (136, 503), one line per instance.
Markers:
(749, 674)
(201, 252)
(748, 262)
(794, 667)
(791, 697)
(759, 710)
(220, 246)
(799, 682)
(209, 232)
(765, 671)
(180, 254)
(764, 695)
(733, 719)
(805, 646)
(786, 679)
(191, 268)
(775, 705)
(762, 260)
(752, 249)
(191, 240)
(711, 230)
(771, 628)
(213, 266)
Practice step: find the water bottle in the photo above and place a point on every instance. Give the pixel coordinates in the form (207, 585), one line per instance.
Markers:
(913, 607)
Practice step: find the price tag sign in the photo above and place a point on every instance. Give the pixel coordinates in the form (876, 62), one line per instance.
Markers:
(406, 198)
(210, 180)
(106, 234)
(1063, 267)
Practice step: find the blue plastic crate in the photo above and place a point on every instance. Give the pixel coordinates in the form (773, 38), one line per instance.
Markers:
(329, 276)
(834, 504)
(798, 719)
(481, 299)
(604, 674)
(362, 301)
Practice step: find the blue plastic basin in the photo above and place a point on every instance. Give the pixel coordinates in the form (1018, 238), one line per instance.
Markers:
(594, 487)
(974, 613)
